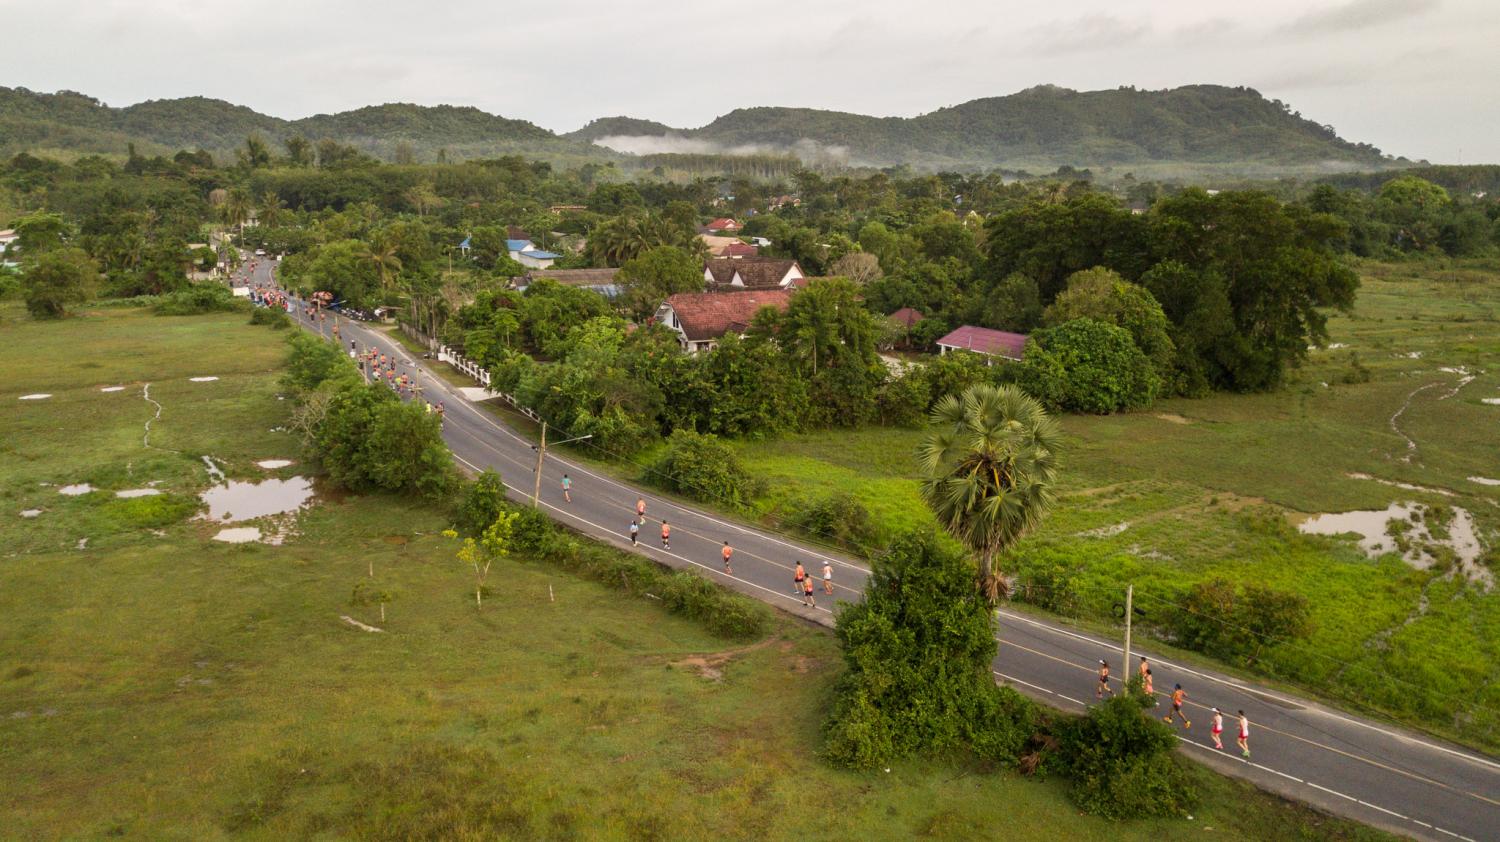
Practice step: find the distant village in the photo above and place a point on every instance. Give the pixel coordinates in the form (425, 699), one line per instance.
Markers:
(738, 283)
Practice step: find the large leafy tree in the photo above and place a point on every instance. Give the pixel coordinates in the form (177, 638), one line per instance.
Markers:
(989, 464)
(57, 278)
(1278, 270)
(649, 278)
(1103, 295)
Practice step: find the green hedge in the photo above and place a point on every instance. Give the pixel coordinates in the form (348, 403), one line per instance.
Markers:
(722, 612)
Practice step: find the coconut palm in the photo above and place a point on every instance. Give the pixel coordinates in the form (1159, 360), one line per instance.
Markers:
(990, 461)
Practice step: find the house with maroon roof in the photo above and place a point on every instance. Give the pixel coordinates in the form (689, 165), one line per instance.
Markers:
(750, 273)
(906, 317)
(738, 250)
(702, 318)
(981, 340)
(723, 223)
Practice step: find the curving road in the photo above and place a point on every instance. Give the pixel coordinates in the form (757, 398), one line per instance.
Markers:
(1368, 771)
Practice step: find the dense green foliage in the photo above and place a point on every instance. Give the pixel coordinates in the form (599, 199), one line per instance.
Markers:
(699, 465)
(1088, 366)
(198, 298)
(1236, 623)
(1120, 761)
(54, 280)
(919, 649)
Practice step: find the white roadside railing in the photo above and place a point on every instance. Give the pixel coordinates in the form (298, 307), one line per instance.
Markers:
(482, 377)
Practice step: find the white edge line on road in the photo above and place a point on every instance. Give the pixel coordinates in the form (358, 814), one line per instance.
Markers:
(685, 559)
(1306, 705)
(1333, 792)
(1005, 677)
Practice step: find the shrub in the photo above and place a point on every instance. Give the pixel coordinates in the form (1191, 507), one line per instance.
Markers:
(919, 649)
(1088, 366)
(702, 466)
(702, 600)
(311, 362)
(1121, 764)
(270, 317)
(722, 612)
(369, 440)
(483, 501)
(1237, 623)
(198, 298)
(837, 517)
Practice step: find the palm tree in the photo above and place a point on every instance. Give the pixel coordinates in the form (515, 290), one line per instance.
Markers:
(383, 258)
(270, 207)
(990, 461)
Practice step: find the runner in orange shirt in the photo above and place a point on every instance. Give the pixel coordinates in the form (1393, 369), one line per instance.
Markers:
(727, 552)
(1178, 695)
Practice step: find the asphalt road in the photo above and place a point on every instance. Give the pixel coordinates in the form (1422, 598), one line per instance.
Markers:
(1365, 770)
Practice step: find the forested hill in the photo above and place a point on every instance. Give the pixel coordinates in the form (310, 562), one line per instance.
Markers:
(75, 122)
(1046, 127)
(1039, 129)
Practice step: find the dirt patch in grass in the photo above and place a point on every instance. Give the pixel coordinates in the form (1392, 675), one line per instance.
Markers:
(711, 666)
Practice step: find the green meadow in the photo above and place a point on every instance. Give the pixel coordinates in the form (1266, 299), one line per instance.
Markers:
(157, 684)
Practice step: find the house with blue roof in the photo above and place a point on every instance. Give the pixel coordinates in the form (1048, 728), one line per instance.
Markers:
(527, 254)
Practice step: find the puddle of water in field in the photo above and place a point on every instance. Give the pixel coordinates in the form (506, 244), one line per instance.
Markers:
(31, 513)
(112, 388)
(1375, 538)
(203, 379)
(238, 535)
(273, 464)
(75, 489)
(1490, 401)
(1405, 486)
(1484, 480)
(37, 397)
(138, 492)
(214, 473)
(237, 501)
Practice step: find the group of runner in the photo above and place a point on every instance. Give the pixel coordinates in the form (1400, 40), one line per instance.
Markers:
(1178, 697)
(802, 583)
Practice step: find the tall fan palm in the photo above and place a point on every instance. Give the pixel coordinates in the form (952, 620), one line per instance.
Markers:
(990, 461)
(383, 257)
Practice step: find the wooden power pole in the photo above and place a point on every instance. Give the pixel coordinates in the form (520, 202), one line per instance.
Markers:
(541, 451)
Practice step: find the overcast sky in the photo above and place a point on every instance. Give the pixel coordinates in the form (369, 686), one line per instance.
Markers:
(1414, 77)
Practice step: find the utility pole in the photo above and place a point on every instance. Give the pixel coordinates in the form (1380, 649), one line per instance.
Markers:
(1125, 664)
(540, 452)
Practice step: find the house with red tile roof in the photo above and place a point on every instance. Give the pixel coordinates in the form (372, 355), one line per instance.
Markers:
(982, 340)
(702, 318)
(723, 223)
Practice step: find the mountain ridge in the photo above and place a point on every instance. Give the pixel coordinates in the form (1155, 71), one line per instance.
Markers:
(1039, 128)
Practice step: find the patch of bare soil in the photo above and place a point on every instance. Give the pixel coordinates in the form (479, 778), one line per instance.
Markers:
(711, 666)
(1174, 418)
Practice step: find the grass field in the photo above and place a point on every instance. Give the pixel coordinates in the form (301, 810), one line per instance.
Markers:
(156, 684)
(1195, 489)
